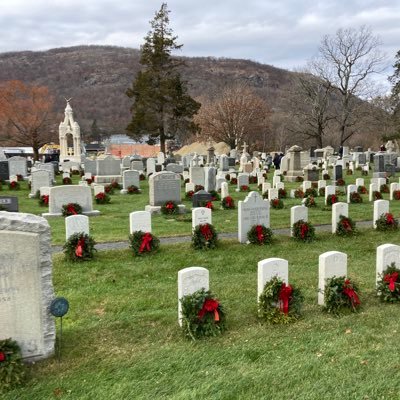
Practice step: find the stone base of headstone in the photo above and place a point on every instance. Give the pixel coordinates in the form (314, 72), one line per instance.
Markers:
(93, 213)
(379, 175)
(108, 178)
(125, 191)
(157, 209)
(292, 175)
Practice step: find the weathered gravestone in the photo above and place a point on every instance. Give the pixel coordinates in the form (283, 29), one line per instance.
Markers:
(4, 171)
(76, 224)
(200, 198)
(242, 180)
(62, 195)
(331, 263)
(9, 203)
(254, 210)
(136, 165)
(130, 178)
(173, 167)
(26, 284)
(189, 281)
(379, 165)
(164, 186)
(108, 166)
(200, 216)
(197, 175)
(150, 166)
(210, 182)
(40, 178)
(140, 221)
(90, 166)
(268, 269)
(18, 166)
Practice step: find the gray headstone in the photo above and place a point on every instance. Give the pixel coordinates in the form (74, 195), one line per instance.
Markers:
(9, 203)
(164, 186)
(200, 197)
(18, 166)
(4, 171)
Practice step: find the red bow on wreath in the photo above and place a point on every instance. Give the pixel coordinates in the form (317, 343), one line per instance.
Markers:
(169, 206)
(259, 232)
(71, 209)
(45, 198)
(351, 294)
(206, 232)
(210, 305)
(391, 278)
(2, 356)
(303, 230)
(79, 247)
(284, 297)
(228, 201)
(209, 205)
(146, 240)
(389, 219)
(346, 224)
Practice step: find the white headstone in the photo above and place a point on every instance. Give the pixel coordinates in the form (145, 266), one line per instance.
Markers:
(306, 185)
(350, 189)
(189, 186)
(373, 187)
(224, 190)
(386, 254)
(393, 188)
(380, 207)
(265, 187)
(189, 281)
(360, 182)
(268, 269)
(130, 178)
(201, 215)
(338, 209)
(275, 180)
(329, 190)
(273, 194)
(298, 213)
(321, 184)
(76, 224)
(331, 263)
(98, 189)
(140, 221)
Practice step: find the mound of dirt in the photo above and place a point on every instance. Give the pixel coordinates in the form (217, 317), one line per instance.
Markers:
(201, 148)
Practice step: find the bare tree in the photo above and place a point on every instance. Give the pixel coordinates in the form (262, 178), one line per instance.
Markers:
(346, 62)
(235, 115)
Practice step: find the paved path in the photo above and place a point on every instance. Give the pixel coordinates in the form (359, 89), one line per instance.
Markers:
(187, 239)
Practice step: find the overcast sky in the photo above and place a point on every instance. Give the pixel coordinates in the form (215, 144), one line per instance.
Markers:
(283, 33)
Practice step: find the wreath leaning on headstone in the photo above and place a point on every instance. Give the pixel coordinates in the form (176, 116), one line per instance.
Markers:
(388, 286)
(202, 315)
(12, 370)
(169, 208)
(44, 200)
(346, 226)
(102, 198)
(14, 185)
(143, 243)
(386, 222)
(259, 234)
(280, 303)
(79, 247)
(303, 231)
(204, 237)
(341, 295)
(228, 203)
(71, 209)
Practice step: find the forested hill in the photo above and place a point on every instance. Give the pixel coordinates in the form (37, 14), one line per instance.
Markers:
(96, 77)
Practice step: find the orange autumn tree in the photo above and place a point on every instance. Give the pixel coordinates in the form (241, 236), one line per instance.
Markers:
(26, 116)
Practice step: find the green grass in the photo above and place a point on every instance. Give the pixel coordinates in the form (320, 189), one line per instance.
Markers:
(113, 223)
(121, 338)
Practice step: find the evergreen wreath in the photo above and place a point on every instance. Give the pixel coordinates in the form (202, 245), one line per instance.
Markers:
(67, 181)
(376, 195)
(79, 247)
(396, 195)
(244, 188)
(303, 231)
(280, 303)
(169, 208)
(89, 181)
(228, 203)
(299, 179)
(321, 191)
(142, 177)
(265, 195)
(277, 204)
(12, 369)
(71, 209)
(326, 177)
(189, 194)
(132, 189)
(14, 185)
(102, 198)
(233, 181)
(198, 188)
(20, 178)
(227, 177)
(109, 189)
(44, 200)
(298, 194)
(143, 243)
(384, 188)
(202, 315)
(340, 182)
(115, 185)
(341, 295)
(331, 199)
(309, 201)
(252, 179)
(214, 195)
(260, 234)
(355, 198)
(349, 172)
(204, 237)
(346, 226)
(388, 286)
(282, 194)
(207, 204)
(362, 190)
(311, 192)
(386, 222)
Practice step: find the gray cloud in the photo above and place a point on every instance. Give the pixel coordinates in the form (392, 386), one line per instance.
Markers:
(285, 34)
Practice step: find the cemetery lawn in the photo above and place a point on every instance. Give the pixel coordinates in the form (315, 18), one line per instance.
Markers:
(121, 339)
(113, 223)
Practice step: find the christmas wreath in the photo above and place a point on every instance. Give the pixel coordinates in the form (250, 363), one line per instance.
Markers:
(198, 188)
(227, 177)
(362, 190)
(233, 181)
(14, 185)
(89, 181)
(102, 198)
(349, 172)
(298, 194)
(79, 247)
(321, 191)
(142, 177)
(189, 194)
(376, 195)
(115, 185)
(341, 294)
(132, 189)
(207, 204)
(277, 203)
(202, 315)
(280, 303)
(331, 199)
(228, 203)
(109, 189)
(384, 188)
(386, 222)
(44, 200)
(143, 243)
(355, 197)
(214, 195)
(12, 370)
(309, 201)
(282, 193)
(67, 181)
(303, 231)
(259, 234)
(326, 177)
(204, 237)
(244, 188)
(311, 192)
(169, 208)
(71, 209)
(340, 182)
(265, 195)
(252, 179)
(396, 195)
(388, 287)
(346, 226)
(299, 179)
